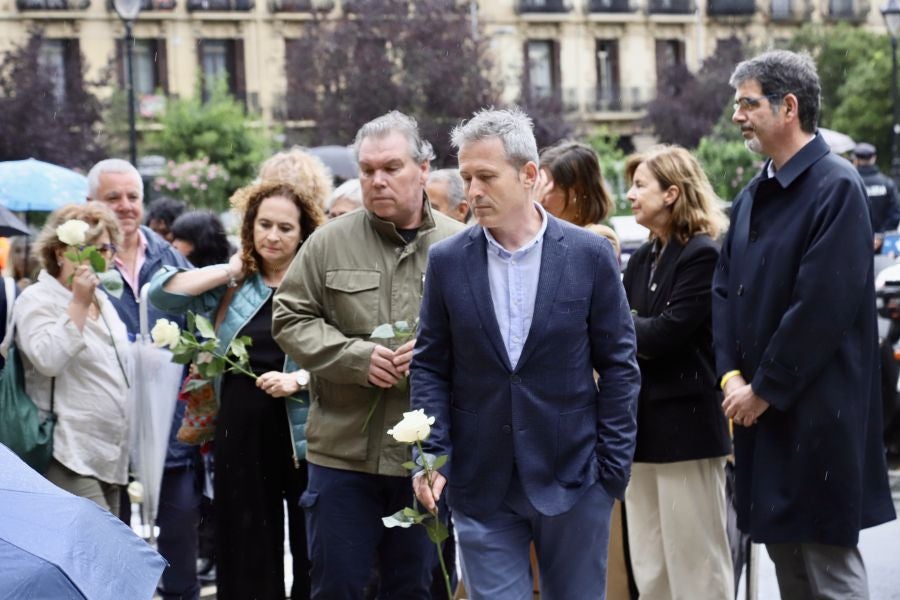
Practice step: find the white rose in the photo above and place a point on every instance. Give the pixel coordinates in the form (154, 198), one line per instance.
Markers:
(72, 232)
(136, 492)
(165, 333)
(204, 357)
(415, 426)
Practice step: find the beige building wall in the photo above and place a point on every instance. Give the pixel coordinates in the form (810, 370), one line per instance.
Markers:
(508, 24)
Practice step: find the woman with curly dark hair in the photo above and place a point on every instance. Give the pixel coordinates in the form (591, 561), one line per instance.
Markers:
(259, 439)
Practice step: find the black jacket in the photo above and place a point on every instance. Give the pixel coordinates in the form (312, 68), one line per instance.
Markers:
(884, 205)
(794, 311)
(679, 410)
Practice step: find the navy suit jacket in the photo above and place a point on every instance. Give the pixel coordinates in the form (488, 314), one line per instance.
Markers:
(546, 415)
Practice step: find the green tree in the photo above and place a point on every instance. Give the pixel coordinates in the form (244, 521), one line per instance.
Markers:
(218, 129)
(854, 67)
(728, 164)
(612, 167)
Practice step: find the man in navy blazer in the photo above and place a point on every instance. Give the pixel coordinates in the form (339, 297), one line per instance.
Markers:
(518, 313)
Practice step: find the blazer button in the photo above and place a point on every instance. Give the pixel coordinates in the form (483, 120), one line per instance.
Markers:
(740, 290)
(507, 429)
(515, 379)
(753, 235)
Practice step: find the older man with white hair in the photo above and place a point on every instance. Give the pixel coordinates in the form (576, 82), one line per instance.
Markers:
(118, 184)
(447, 194)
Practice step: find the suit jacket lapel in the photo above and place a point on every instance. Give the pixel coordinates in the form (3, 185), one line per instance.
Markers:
(553, 261)
(476, 271)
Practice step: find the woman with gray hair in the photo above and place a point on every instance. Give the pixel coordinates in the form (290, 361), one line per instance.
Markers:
(347, 197)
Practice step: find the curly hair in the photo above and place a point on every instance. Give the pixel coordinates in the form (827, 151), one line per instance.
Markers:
(246, 202)
(697, 210)
(300, 169)
(96, 214)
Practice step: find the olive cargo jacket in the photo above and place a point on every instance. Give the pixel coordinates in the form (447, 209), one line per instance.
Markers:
(350, 276)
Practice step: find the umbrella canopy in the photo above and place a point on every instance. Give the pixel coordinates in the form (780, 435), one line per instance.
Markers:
(35, 185)
(11, 225)
(56, 545)
(837, 141)
(339, 159)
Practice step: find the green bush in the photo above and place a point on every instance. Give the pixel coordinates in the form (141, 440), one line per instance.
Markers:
(218, 130)
(612, 166)
(196, 182)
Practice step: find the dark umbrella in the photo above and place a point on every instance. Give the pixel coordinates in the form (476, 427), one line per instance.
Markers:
(339, 159)
(11, 225)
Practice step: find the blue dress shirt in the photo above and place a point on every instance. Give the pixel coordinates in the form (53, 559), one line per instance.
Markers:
(513, 277)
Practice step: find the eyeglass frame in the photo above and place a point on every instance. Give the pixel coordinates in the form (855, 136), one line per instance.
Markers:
(107, 247)
(752, 102)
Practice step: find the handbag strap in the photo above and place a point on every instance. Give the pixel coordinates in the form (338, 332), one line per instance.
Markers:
(224, 303)
(9, 288)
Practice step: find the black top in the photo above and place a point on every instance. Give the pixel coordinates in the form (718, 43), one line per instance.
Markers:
(265, 354)
(679, 409)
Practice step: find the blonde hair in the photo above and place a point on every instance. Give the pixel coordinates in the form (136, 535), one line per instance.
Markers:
(96, 214)
(246, 202)
(696, 210)
(301, 170)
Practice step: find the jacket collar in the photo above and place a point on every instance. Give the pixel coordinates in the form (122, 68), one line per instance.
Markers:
(808, 155)
(388, 229)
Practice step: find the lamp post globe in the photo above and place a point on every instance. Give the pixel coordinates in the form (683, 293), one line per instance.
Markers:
(128, 11)
(891, 14)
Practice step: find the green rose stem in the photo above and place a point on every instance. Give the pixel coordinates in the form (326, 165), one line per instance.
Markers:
(434, 530)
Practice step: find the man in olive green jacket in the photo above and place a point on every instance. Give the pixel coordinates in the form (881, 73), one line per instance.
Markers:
(363, 269)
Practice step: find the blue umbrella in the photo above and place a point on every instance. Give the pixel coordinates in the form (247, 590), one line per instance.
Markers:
(34, 185)
(56, 545)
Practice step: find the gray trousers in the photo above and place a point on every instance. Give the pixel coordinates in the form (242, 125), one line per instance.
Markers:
(819, 572)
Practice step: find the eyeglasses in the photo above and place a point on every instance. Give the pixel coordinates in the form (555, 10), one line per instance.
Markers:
(108, 249)
(746, 103)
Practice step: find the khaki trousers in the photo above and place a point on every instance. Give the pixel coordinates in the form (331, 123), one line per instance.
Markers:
(104, 494)
(676, 530)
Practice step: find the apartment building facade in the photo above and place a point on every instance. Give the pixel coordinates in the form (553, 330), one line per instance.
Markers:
(600, 57)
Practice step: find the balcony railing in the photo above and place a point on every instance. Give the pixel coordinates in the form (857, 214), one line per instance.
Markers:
(301, 5)
(220, 5)
(790, 11)
(730, 8)
(542, 6)
(52, 4)
(610, 6)
(148, 5)
(671, 7)
(630, 99)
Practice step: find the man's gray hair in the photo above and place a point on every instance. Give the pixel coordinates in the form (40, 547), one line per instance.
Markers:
(110, 165)
(395, 121)
(456, 187)
(779, 73)
(511, 125)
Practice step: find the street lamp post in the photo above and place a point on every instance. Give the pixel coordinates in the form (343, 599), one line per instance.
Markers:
(891, 14)
(128, 11)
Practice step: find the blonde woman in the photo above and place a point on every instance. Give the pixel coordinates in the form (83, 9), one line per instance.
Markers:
(676, 497)
(71, 341)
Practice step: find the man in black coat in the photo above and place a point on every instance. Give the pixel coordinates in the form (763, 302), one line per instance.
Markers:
(796, 340)
(884, 204)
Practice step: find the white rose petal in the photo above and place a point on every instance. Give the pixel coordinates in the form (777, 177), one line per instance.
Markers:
(415, 427)
(204, 357)
(72, 232)
(165, 333)
(136, 492)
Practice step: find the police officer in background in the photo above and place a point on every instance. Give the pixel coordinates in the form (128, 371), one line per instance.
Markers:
(884, 204)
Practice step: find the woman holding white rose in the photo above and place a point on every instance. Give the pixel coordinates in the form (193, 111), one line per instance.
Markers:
(259, 441)
(71, 341)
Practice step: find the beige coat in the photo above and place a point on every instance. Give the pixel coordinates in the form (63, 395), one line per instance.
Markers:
(350, 276)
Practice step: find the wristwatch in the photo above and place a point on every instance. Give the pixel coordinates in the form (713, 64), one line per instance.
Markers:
(302, 378)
